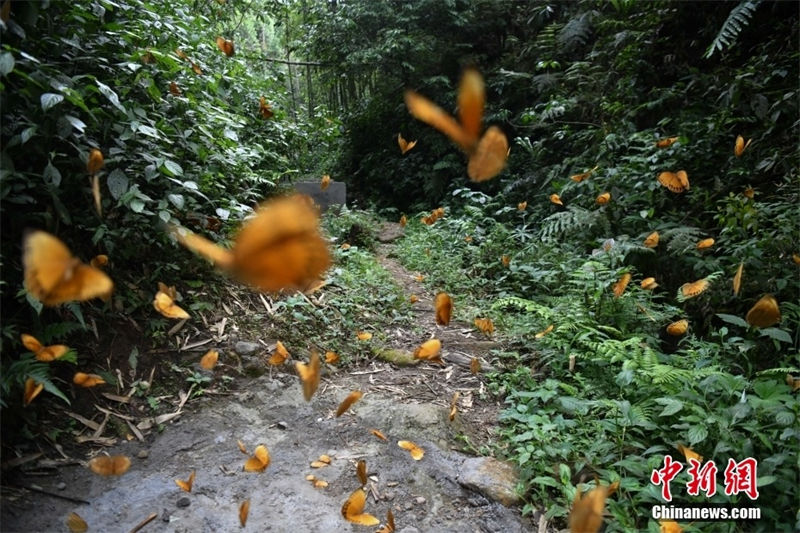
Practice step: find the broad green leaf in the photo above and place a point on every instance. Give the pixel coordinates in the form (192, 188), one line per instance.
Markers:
(27, 133)
(671, 406)
(147, 130)
(696, 434)
(136, 205)
(173, 168)
(51, 175)
(777, 334)
(117, 183)
(164, 215)
(176, 199)
(109, 93)
(49, 100)
(6, 63)
(732, 319)
(77, 123)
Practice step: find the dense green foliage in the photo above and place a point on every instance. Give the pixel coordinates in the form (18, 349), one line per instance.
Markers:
(574, 85)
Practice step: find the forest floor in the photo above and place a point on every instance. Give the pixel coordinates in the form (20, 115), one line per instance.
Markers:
(403, 402)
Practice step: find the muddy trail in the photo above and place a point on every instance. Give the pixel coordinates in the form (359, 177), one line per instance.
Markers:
(447, 490)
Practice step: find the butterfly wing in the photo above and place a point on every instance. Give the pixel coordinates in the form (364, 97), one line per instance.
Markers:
(426, 111)
(489, 157)
(471, 100)
(281, 247)
(200, 245)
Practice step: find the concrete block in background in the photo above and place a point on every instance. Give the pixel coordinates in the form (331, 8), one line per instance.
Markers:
(334, 196)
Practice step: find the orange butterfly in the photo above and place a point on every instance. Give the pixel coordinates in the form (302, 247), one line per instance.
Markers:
(485, 325)
(378, 434)
(322, 462)
(793, 382)
(669, 526)
(622, 284)
(331, 358)
(666, 143)
(544, 332)
(522, 206)
(429, 350)
(603, 199)
(352, 398)
(740, 145)
(690, 290)
(241, 446)
(259, 461)
(43, 353)
(468, 238)
(99, 261)
(353, 510)
(209, 360)
(364, 335)
(652, 240)
(54, 276)
(705, 243)
(32, 390)
(580, 177)
(649, 284)
(737, 279)
(556, 199)
(675, 182)
(265, 109)
(244, 510)
(405, 146)
(309, 375)
(764, 313)
(487, 154)
(181, 54)
(317, 483)
(196, 68)
(413, 298)
(444, 308)
(586, 515)
(454, 406)
(95, 161)
(225, 46)
(676, 329)
(474, 365)
(164, 304)
(361, 471)
(186, 486)
(173, 89)
(389, 527)
(689, 453)
(87, 380)
(416, 452)
(105, 465)
(76, 524)
(325, 182)
(403, 221)
(506, 260)
(280, 356)
(280, 248)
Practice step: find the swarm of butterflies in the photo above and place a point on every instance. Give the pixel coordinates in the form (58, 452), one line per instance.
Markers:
(281, 248)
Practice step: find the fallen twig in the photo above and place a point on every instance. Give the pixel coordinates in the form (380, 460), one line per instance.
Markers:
(36, 488)
(144, 522)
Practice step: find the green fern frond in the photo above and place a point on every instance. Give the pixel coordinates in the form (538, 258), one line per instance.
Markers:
(738, 19)
(559, 225)
(522, 304)
(778, 372)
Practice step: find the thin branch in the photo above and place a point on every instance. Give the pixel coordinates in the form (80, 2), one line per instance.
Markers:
(34, 488)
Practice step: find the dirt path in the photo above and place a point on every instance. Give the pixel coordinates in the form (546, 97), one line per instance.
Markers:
(405, 403)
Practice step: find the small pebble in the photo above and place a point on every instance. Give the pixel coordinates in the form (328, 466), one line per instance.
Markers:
(282, 425)
(184, 502)
(388, 495)
(61, 486)
(408, 506)
(165, 516)
(420, 500)
(143, 454)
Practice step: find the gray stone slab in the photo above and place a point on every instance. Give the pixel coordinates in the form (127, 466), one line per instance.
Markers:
(333, 196)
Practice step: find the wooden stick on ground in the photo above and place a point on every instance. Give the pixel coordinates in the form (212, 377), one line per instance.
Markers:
(36, 488)
(144, 522)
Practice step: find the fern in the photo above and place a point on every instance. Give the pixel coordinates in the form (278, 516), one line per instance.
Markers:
(522, 304)
(738, 19)
(577, 31)
(559, 225)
